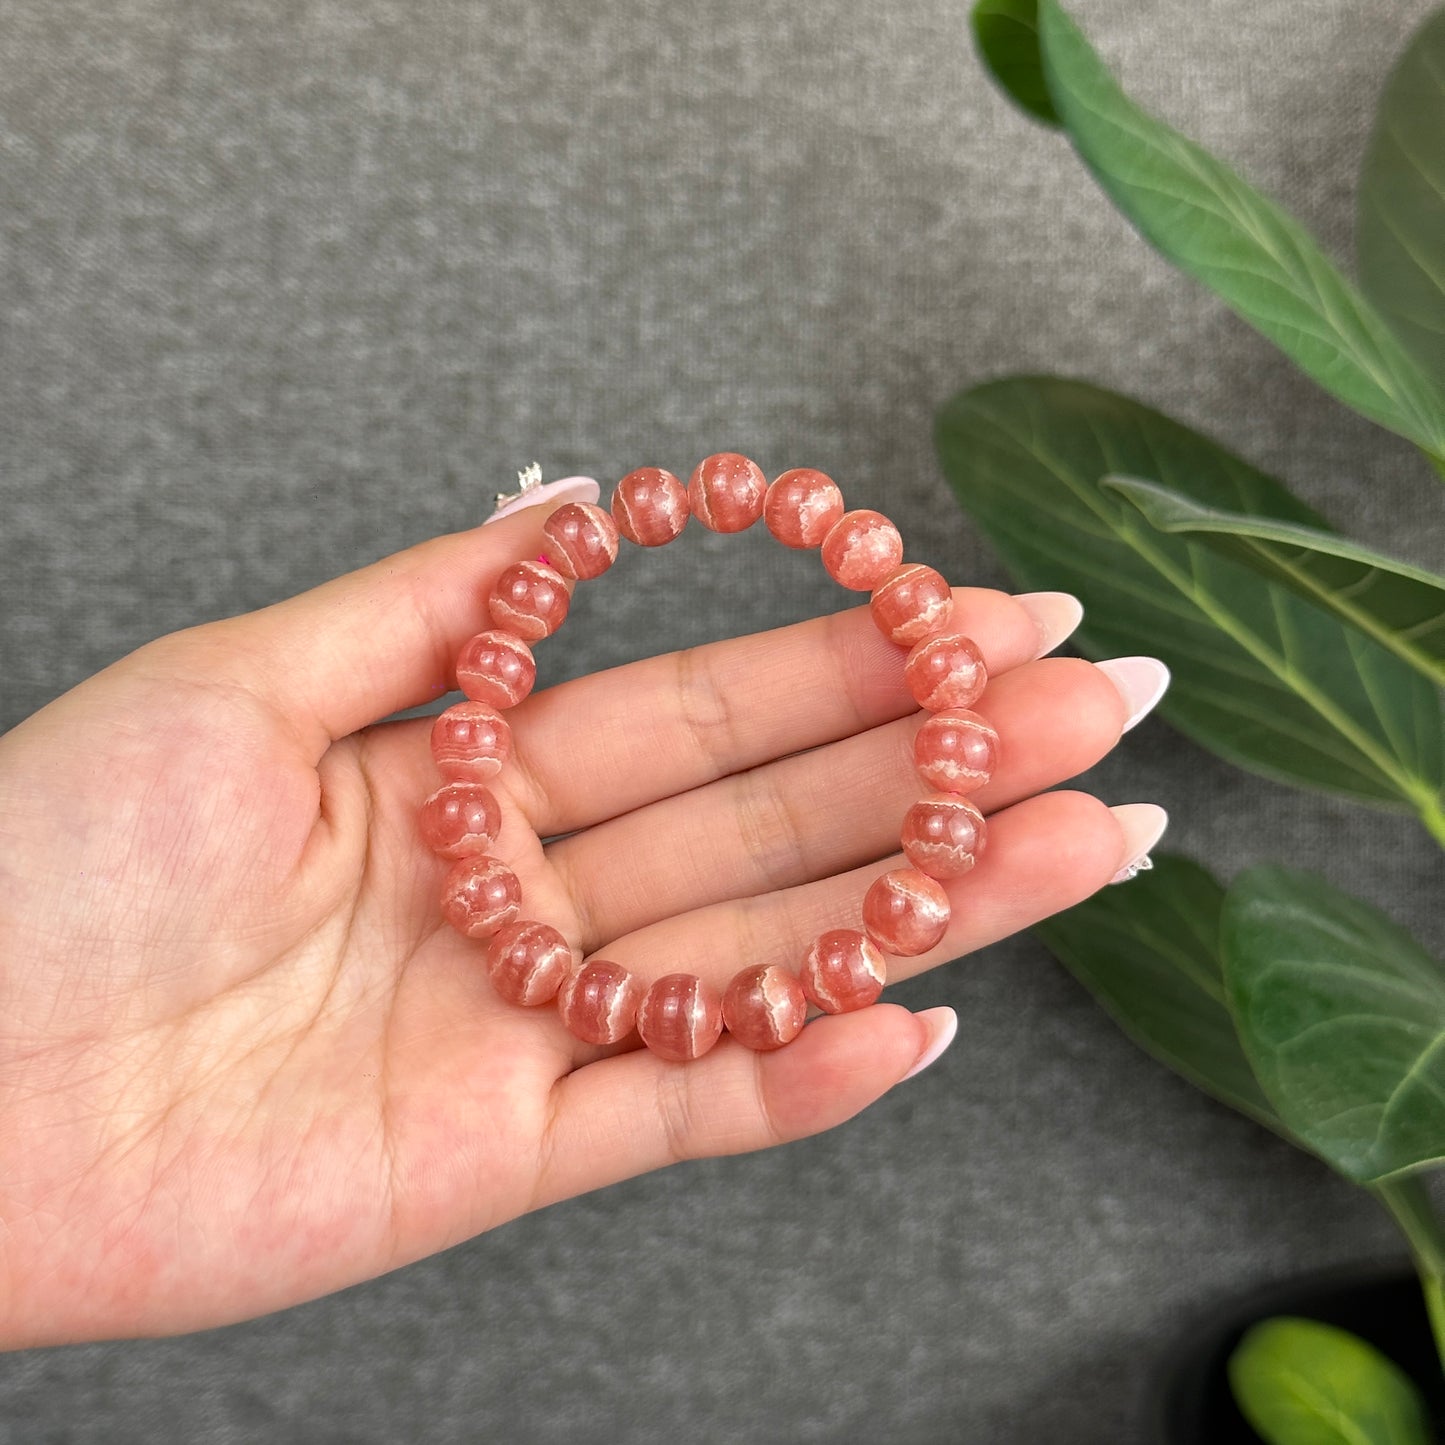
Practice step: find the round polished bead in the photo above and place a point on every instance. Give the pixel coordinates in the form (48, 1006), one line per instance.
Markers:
(496, 668)
(531, 599)
(726, 492)
(906, 912)
(955, 751)
(945, 670)
(843, 971)
(764, 1007)
(581, 540)
(680, 1017)
(910, 602)
(598, 1003)
(861, 549)
(802, 506)
(460, 819)
(470, 741)
(481, 895)
(528, 962)
(650, 506)
(943, 836)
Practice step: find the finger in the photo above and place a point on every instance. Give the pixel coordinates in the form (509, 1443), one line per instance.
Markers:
(1044, 854)
(667, 724)
(827, 811)
(626, 1115)
(369, 644)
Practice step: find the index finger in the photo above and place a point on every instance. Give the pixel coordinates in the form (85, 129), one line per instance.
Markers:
(600, 746)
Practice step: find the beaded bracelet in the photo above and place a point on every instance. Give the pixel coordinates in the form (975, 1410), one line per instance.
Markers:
(905, 912)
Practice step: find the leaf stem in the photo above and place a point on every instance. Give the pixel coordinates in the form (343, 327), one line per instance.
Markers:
(1432, 815)
(1408, 1200)
(1412, 789)
(1435, 1305)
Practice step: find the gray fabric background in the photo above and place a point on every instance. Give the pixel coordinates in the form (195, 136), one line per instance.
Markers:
(288, 284)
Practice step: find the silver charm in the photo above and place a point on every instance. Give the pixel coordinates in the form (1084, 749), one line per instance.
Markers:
(528, 480)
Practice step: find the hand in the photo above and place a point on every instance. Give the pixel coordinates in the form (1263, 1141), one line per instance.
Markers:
(243, 1062)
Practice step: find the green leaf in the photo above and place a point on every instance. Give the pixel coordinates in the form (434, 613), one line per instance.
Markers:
(1401, 226)
(1150, 954)
(1300, 1382)
(1221, 231)
(1342, 1015)
(1400, 606)
(1007, 35)
(1262, 677)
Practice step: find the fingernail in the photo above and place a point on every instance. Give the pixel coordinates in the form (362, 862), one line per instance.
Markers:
(942, 1025)
(1056, 614)
(567, 489)
(1141, 682)
(1143, 825)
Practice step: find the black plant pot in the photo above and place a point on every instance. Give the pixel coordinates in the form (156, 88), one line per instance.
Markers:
(1191, 1403)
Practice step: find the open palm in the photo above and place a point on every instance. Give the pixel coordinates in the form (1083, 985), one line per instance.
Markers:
(243, 1062)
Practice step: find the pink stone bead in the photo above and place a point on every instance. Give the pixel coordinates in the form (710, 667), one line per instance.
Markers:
(496, 668)
(726, 492)
(470, 741)
(843, 971)
(481, 895)
(764, 1007)
(650, 506)
(802, 506)
(862, 548)
(528, 962)
(906, 912)
(910, 602)
(460, 819)
(680, 1017)
(598, 1003)
(955, 751)
(945, 670)
(582, 540)
(530, 599)
(943, 836)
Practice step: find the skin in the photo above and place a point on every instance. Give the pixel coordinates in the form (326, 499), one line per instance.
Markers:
(244, 1063)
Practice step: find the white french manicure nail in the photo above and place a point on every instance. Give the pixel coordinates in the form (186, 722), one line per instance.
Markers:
(1141, 682)
(942, 1025)
(566, 489)
(1143, 825)
(1055, 614)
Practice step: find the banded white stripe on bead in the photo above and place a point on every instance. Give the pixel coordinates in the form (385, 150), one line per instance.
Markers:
(862, 549)
(943, 835)
(531, 599)
(496, 668)
(843, 970)
(680, 1017)
(955, 751)
(764, 1007)
(650, 507)
(905, 912)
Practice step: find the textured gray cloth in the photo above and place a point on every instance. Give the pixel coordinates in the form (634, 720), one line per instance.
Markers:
(286, 285)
